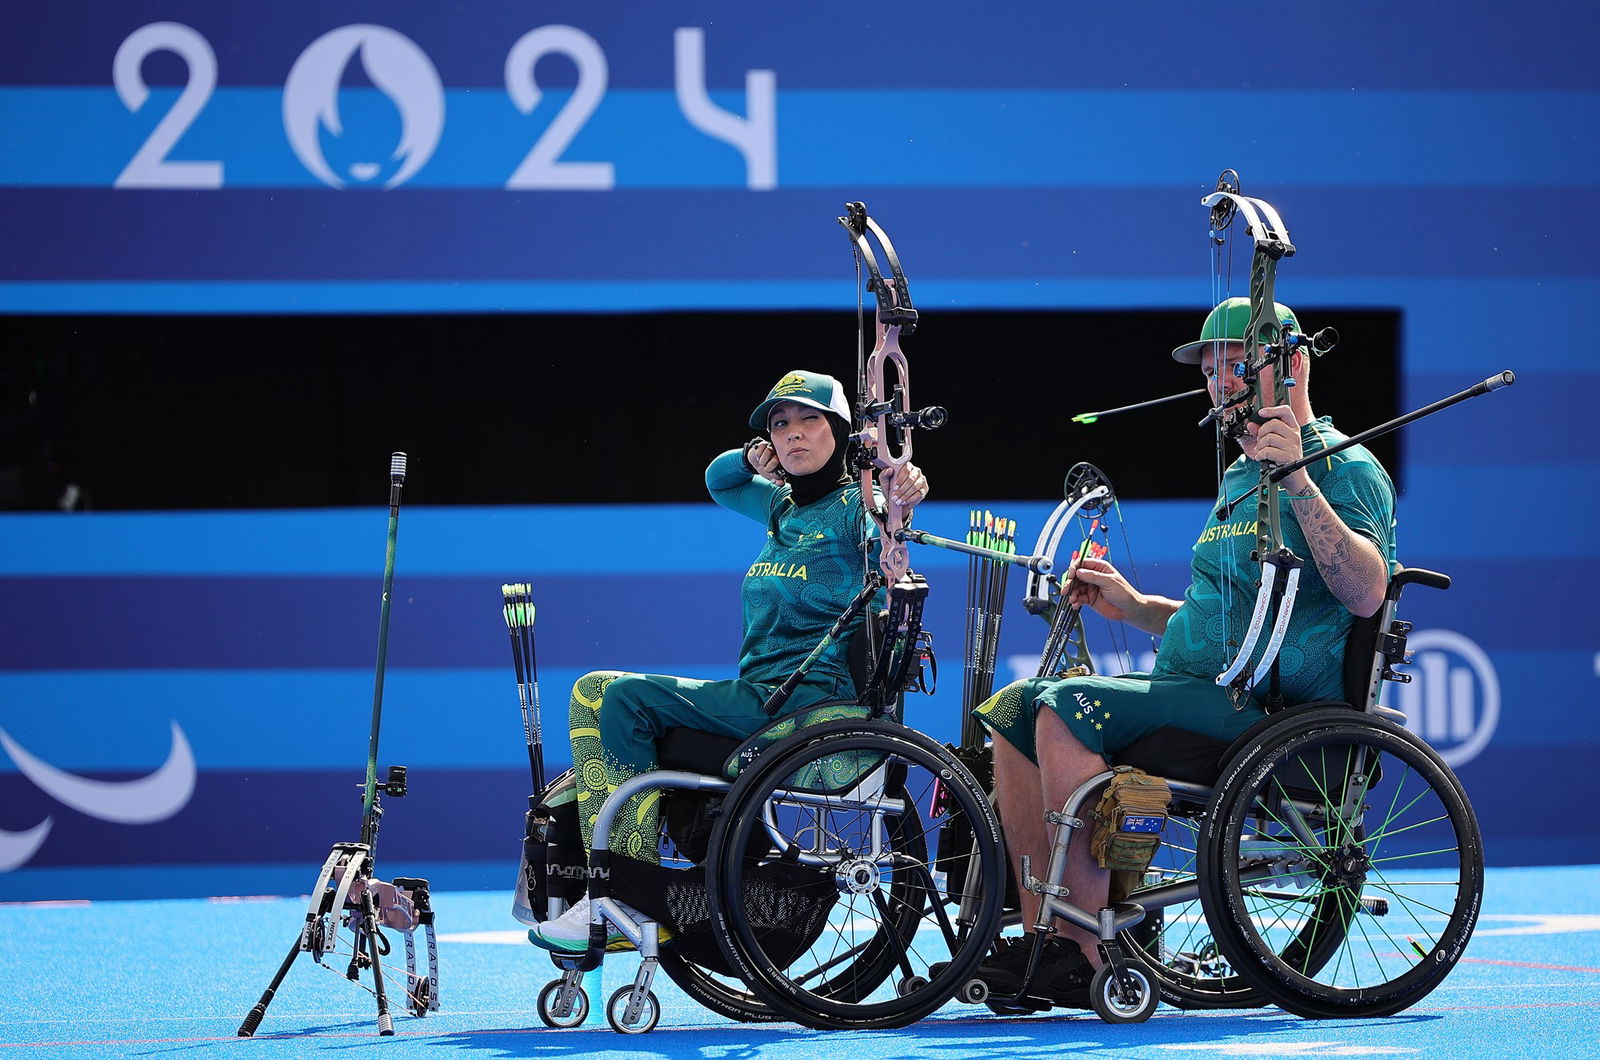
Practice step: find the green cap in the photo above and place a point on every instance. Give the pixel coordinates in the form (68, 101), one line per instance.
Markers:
(804, 388)
(1226, 322)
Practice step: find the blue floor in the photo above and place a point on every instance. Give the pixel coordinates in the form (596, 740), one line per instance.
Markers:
(157, 978)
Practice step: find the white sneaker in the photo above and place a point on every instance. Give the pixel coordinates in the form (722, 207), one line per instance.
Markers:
(569, 932)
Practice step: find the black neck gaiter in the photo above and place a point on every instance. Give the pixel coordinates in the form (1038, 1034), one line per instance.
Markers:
(805, 489)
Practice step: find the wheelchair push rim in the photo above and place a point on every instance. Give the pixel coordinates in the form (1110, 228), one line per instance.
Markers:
(876, 859)
(1344, 867)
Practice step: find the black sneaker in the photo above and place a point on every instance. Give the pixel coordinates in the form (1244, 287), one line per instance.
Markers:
(1061, 978)
(1009, 950)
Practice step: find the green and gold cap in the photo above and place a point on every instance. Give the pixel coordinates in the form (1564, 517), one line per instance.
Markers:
(1227, 322)
(804, 388)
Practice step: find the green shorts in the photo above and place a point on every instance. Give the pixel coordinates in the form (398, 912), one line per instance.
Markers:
(1107, 714)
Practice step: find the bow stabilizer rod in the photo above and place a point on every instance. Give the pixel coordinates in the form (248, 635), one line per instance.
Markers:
(370, 808)
(1488, 386)
(1033, 564)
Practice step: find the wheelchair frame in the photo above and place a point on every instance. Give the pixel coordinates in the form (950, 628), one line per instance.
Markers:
(1273, 852)
(883, 810)
(866, 869)
(1230, 870)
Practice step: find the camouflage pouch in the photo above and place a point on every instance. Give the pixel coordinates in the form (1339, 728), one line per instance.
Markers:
(1128, 821)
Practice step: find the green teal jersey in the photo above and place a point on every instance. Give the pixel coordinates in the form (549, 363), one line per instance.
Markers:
(806, 574)
(1222, 591)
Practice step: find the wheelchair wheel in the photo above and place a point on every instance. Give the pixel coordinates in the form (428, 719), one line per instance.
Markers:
(1174, 945)
(1129, 998)
(869, 933)
(547, 1004)
(712, 987)
(1343, 866)
(724, 995)
(617, 1010)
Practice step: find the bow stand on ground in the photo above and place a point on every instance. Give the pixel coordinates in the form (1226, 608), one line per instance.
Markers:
(347, 893)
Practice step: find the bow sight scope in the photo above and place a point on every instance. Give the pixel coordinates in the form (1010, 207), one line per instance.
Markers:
(930, 417)
(1320, 343)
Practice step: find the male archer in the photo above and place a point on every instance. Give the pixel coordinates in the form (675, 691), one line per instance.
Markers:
(1053, 734)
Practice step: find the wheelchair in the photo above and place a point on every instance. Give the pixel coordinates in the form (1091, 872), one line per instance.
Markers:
(1327, 861)
(837, 869)
(848, 871)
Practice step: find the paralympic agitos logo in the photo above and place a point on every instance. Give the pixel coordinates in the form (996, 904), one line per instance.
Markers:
(144, 800)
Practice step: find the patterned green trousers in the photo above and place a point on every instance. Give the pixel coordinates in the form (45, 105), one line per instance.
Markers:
(616, 719)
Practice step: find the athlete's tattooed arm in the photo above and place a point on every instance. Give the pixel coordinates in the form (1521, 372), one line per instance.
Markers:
(1351, 565)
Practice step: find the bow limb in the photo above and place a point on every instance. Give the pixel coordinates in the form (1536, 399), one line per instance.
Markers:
(1088, 496)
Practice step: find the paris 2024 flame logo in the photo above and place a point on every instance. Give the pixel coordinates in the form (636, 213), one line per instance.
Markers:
(311, 107)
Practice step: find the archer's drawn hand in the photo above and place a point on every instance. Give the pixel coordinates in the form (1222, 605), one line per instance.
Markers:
(764, 459)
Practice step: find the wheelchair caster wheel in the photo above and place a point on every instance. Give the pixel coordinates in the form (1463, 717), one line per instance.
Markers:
(973, 992)
(617, 1008)
(547, 1000)
(1129, 998)
(910, 985)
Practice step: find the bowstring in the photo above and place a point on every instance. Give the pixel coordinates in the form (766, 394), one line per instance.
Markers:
(861, 398)
(1133, 576)
(1221, 290)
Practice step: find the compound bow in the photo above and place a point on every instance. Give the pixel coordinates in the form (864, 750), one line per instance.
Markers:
(881, 441)
(1267, 344)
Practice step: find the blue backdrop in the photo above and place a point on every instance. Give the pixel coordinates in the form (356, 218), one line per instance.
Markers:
(1434, 158)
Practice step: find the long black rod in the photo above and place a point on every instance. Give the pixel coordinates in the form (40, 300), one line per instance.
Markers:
(369, 819)
(1493, 383)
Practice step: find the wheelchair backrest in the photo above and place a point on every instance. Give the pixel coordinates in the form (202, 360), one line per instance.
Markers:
(1372, 646)
(1377, 642)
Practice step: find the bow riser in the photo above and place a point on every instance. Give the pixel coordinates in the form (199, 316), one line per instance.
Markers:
(886, 445)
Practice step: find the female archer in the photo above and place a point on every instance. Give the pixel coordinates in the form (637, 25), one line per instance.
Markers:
(793, 481)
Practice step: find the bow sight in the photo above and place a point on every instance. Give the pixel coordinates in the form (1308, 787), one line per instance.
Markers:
(930, 417)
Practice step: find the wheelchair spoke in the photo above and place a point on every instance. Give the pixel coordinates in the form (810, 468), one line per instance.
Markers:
(1368, 827)
(889, 873)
